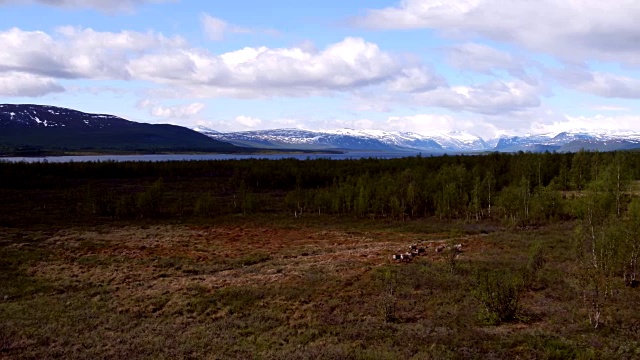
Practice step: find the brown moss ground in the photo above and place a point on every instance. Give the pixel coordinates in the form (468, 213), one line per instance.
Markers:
(252, 289)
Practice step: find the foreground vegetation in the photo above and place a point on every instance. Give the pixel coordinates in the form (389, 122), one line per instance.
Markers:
(292, 259)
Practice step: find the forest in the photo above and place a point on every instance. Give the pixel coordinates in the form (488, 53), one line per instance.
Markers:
(523, 188)
(548, 267)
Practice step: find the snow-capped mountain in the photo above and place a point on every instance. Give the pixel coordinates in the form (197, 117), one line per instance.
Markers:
(572, 141)
(304, 139)
(43, 116)
(459, 141)
(377, 140)
(49, 128)
(523, 143)
(205, 130)
(349, 139)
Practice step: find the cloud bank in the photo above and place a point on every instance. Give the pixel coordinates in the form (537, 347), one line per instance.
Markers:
(109, 6)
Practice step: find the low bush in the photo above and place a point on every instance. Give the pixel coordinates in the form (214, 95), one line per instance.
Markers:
(499, 292)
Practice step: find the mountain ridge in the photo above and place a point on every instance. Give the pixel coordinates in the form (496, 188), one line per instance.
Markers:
(29, 128)
(457, 141)
(349, 139)
(37, 128)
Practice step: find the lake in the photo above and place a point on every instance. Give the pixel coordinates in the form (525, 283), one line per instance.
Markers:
(188, 157)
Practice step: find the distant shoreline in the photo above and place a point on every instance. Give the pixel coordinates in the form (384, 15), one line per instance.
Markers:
(216, 157)
(39, 154)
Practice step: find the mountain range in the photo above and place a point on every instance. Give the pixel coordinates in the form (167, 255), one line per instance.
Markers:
(40, 128)
(452, 142)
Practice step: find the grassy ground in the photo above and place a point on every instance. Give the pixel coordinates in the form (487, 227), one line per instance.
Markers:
(268, 287)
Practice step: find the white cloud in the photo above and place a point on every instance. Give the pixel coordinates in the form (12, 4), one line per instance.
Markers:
(599, 83)
(216, 29)
(416, 79)
(264, 72)
(368, 101)
(98, 90)
(493, 98)
(17, 84)
(609, 108)
(496, 97)
(109, 6)
(433, 124)
(248, 121)
(182, 111)
(352, 65)
(589, 123)
(612, 86)
(485, 59)
(171, 112)
(77, 52)
(574, 30)
(423, 123)
(80, 53)
(286, 123)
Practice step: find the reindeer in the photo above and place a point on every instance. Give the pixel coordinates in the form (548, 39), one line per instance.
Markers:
(407, 257)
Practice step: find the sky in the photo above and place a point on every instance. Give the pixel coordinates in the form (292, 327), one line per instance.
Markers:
(487, 67)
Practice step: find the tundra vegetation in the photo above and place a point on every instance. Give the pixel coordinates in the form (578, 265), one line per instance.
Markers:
(293, 259)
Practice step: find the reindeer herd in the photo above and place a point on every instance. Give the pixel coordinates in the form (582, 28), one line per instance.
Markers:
(416, 250)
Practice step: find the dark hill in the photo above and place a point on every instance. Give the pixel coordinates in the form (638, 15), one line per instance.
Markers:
(40, 128)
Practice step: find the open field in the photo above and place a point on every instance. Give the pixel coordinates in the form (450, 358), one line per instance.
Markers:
(292, 259)
(284, 288)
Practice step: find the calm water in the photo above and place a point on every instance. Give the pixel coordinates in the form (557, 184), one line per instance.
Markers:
(186, 157)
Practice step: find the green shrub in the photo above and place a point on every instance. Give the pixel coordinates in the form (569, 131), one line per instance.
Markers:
(205, 206)
(499, 292)
(151, 202)
(387, 279)
(536, 261)
(536, 258)
(126, 207)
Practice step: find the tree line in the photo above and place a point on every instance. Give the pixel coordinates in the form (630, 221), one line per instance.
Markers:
(521, 188)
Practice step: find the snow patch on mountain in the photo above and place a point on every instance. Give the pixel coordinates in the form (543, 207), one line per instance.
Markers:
(18, 115)
(451, 141)
(351, 139)
(204, 130)
(41, 116)
(434, 142)
(575, 140)
(459, 141)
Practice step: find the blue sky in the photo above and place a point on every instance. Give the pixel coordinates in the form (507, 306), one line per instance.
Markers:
(488, 67)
